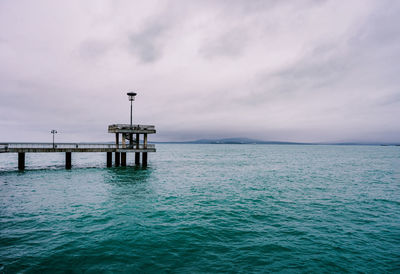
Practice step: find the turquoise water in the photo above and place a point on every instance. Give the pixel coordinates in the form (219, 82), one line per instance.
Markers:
(205, 208)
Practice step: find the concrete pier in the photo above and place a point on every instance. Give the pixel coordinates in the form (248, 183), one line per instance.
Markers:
(119, 148)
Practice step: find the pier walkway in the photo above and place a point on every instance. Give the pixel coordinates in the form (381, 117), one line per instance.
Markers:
(129, 135)
(74, 147)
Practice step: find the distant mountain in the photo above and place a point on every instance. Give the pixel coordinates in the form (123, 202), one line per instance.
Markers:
(233, 141)
(240, 140)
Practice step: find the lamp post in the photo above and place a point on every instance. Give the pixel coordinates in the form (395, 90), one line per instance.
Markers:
(131, 96)
(53, 131)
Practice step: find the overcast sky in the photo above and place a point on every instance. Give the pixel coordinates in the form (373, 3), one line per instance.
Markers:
(272, 70)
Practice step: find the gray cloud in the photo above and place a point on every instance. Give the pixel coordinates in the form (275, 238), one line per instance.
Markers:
(281, 70)
(92, 49)
(148, 40)
(147, 43)
(231, 44)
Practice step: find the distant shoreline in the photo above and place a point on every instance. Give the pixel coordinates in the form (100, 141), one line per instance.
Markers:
(247, 141)
(303, 144)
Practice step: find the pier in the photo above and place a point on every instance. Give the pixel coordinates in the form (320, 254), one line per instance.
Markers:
(120, 148)
(129, 138)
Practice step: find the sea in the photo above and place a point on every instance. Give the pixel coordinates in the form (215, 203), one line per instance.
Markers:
(204, 208)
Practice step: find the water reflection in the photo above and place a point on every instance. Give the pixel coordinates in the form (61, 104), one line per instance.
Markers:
(129, 181)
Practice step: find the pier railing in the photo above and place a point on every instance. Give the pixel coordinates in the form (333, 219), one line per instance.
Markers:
(128, 126)
(134, 129)
(4, 147)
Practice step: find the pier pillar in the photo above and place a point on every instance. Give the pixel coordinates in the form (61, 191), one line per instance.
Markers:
(145, 141)
(109, 159)
(144, 159)
(137, 140)
(123, 142)
(123, 158)
(68, 160)
(137, 158)
(130, 140)
(137, 154)
(117, 140)
(21, 160)
(117, 158)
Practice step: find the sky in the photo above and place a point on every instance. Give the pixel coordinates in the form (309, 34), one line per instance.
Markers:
(305, 71)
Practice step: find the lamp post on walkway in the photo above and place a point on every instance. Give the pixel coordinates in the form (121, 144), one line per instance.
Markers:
(131, 96)
(53, 131)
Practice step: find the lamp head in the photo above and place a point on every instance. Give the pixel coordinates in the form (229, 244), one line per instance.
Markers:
(131, 96)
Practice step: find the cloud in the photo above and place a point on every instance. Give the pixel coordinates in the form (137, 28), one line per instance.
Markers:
(282, 70)
(230, 44)
(148, 40)
(92, 49)
(147, 43)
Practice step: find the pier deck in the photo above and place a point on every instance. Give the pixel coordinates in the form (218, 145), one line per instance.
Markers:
(73, 147)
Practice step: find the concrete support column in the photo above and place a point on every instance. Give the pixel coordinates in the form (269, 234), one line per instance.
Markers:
(137, 154)
(68, 161)
(144, 159)
(117, 158)
(137, 158)
(137, 140)
(117, 154)
(123, 140)
(130, 140)
(145, 141)
(109, 159)
(21, 160)
(123, 158)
